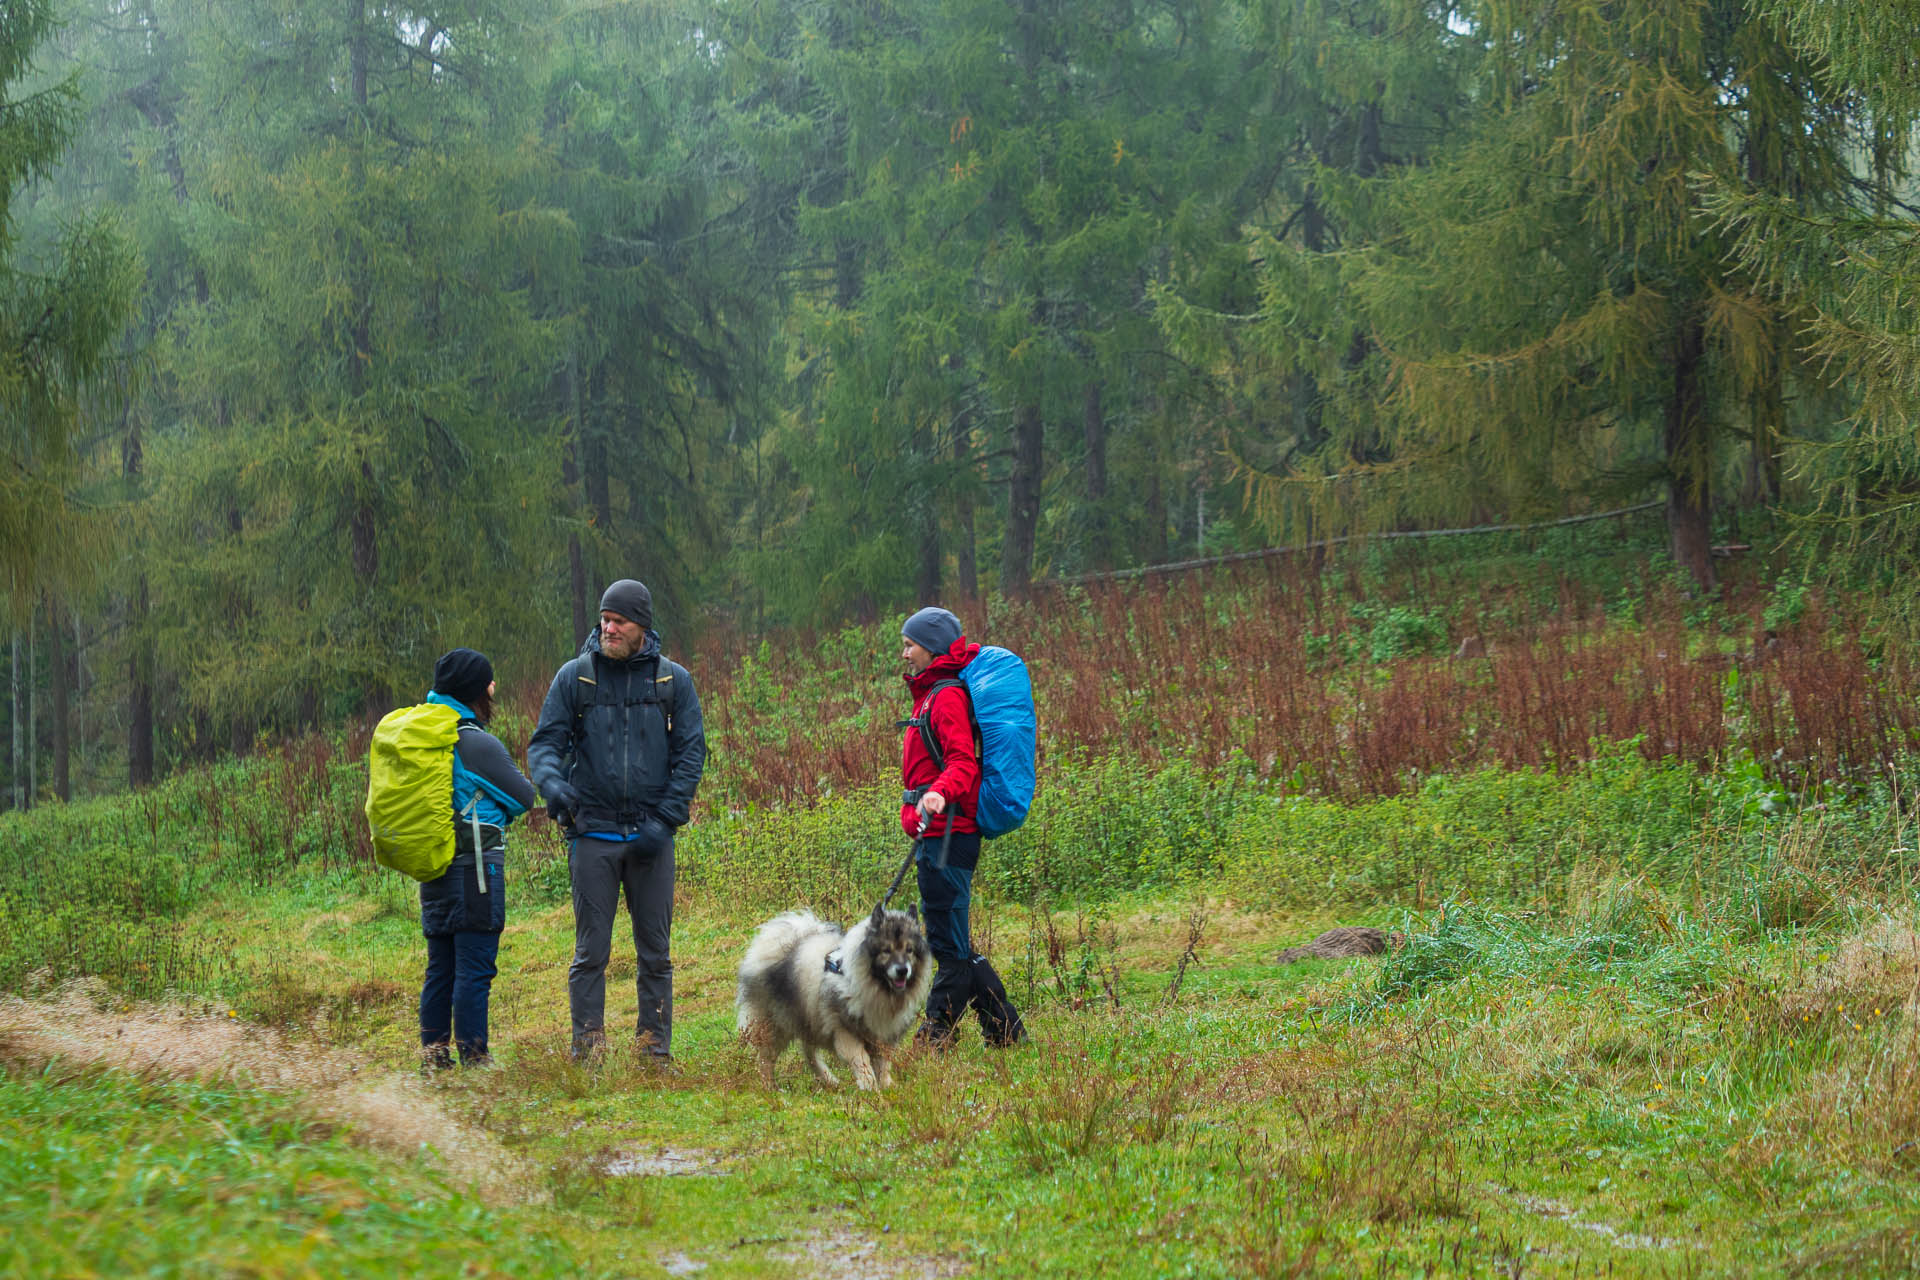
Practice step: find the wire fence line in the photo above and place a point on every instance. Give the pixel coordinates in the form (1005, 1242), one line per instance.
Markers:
(1267, 553)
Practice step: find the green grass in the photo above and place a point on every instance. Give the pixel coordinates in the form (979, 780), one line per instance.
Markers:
(108, 1174)
(1639, 1025)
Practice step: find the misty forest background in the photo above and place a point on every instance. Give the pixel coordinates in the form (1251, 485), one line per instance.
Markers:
(333, 335)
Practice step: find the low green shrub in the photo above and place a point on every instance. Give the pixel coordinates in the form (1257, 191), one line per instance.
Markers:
(102, 888)
(1630, 940)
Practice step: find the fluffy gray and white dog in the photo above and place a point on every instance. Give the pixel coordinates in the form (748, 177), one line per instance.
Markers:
(857, 993)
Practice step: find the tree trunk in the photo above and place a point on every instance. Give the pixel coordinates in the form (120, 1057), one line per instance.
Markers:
(363, 524)
(599, 493)
(1769, 412)
(16, 772)
(139, 660)
(1023, 505)
(363, 529)
(1156, 517)
(139, 693)
(1689, 457)
(1093, 423)
(79, 686)
(577, 571)
(33, 718)
(357, 37)
(570, 480)
(926, 582)
(57, 678)
(966, 570)
(594, 457)
(846, 275)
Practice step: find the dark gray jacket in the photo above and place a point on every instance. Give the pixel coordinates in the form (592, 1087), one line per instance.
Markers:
(452, 902)
(626, 735)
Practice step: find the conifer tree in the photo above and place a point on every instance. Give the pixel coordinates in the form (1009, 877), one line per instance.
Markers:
(1009, 175)
(346, 465)
(1847, 271)
(65, 293)
(667, 296)
(1547, 312)
(1332, 95)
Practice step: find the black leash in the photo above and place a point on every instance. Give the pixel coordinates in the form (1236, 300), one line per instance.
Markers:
(946, 839)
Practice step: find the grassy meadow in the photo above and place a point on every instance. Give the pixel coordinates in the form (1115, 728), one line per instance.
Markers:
(1655, 1014)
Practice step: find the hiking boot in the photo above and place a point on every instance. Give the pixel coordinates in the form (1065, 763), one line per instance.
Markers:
(1003, 1032)
(935, 1039)
(661, 1064)
(435, 1057)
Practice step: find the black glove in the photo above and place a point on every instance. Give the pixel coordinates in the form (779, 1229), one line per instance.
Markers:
(561, 799)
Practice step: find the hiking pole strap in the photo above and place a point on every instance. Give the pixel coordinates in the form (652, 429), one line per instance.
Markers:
(479, 858)
(946, 841)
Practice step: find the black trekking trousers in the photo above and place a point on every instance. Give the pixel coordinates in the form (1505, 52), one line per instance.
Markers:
(600, 869)
(963, 978)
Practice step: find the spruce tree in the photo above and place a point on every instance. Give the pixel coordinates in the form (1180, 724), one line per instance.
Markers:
(66, 290)
(1846, 272)
(1550, 319)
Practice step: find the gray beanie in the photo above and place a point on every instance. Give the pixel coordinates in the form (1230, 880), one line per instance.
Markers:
(932, 629)
(631, 600)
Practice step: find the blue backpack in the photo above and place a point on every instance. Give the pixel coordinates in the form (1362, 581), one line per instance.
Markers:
(1000, 704)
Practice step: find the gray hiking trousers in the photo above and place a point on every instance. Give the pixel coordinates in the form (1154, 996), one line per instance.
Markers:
(598, 870)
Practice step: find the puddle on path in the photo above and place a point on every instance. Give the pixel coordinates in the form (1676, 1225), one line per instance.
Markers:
(665, 1162)
(840, 1253)
(1542, 1207)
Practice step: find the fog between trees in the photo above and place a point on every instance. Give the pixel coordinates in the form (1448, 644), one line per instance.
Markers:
(337, 334)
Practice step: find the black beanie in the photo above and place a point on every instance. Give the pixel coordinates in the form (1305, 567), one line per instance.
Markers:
(463, 674)
(932, 629)
(631, 600)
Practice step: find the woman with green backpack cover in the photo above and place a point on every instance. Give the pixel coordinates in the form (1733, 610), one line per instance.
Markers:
(463, 910)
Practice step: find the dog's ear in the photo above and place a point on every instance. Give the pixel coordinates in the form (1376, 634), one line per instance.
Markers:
(913, 912)
(879, 915)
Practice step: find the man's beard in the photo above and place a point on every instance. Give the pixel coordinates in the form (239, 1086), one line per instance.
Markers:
(618, 649)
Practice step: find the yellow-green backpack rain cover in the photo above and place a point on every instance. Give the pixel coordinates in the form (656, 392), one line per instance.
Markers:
(410, 789)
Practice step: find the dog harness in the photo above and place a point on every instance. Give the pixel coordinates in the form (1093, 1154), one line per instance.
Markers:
(833, 961)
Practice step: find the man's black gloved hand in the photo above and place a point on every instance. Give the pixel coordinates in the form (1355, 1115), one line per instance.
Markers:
(561, 800)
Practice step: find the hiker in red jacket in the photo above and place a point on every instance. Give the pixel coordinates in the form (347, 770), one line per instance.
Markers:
(942, 791)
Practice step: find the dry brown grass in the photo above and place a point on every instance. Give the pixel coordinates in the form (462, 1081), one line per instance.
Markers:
(1875, 970)
(1559, 675)
(1088, 1101)
(82, 1023)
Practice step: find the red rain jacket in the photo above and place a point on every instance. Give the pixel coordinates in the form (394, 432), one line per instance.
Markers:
(959, 782)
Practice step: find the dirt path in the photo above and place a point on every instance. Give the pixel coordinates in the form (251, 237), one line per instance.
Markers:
(378, 1107)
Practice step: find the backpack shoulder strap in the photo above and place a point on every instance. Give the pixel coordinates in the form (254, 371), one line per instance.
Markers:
(924, 721)
(666, 686)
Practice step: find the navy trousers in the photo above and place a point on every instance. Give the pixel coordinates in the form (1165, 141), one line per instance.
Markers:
(453, 999)
(963, 978)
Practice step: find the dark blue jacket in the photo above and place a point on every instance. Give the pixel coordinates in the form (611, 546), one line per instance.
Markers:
(626, 735)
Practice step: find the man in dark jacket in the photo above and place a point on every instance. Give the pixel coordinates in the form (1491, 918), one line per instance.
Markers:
(943, 791)
(617, 755)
